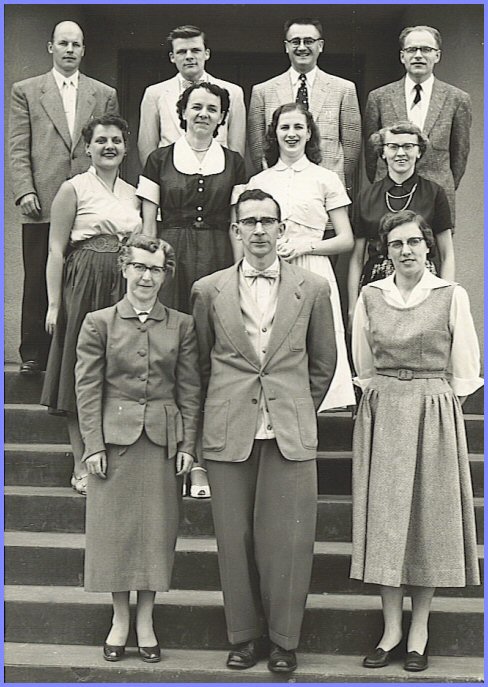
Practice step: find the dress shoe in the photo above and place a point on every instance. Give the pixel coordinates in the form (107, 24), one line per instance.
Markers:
(415, 662)
(113, 652)
(150, 654)
(281, 660)
(29, 368)
(378, 659)
(242, 656)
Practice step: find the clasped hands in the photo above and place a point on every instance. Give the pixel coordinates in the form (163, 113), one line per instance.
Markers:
(96, 464)
(289, 248)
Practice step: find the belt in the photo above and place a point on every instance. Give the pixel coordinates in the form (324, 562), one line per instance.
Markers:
(103, 243)
(407, 375)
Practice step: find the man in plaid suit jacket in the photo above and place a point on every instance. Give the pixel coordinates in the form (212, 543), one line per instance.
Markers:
(442, 111)
(332, 101)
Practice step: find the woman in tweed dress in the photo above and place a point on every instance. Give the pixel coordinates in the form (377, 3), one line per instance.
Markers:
(417, 358)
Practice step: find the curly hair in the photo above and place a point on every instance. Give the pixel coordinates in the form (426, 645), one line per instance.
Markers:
(377, 139)
(392, 220)
(221, 93)
(151, 244)
(312, 148)
(105, 120)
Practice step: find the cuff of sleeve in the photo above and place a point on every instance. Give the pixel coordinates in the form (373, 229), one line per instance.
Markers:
(148, 189)
(361, 383)
(91, 449)
(465, 387)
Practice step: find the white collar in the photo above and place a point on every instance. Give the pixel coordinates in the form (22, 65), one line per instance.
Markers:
(60, 78)
(428, 282)
(181, 79)
(427, 85)
(310, 76)
(187, 162)
(245, 264)
(297, 166)
(92, 170)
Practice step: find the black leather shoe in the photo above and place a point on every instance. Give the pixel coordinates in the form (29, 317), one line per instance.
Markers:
(150, 654)
(242, 656)
(29, 368)
(415, 662)
(281, 660)
(113, 652)
(378, 659)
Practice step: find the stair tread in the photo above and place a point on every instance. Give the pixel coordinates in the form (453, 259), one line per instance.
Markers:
(206, 665)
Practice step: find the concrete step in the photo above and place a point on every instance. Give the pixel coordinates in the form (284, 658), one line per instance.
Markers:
(60, 509)
(74, 663)
(44, 558)
(333, 623)
(33, 422)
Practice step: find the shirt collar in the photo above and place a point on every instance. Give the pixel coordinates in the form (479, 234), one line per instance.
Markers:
(426, 85)
(427, 282)
(187, 162)
(297, 166)
(92, 170)
(182, 80)
(407, 184)
(247, 265)
(294, 76)
(60, 78)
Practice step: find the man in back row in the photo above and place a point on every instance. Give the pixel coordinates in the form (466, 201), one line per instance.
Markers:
(159, 124)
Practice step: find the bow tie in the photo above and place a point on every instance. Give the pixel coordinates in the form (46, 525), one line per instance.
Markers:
(270, 273)
(187, 84)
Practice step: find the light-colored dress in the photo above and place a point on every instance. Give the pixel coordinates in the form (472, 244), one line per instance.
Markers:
(305, 193)
(413, 515)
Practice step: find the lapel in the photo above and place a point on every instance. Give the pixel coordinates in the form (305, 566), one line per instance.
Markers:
(437, 100)
(290, 302)
(284, 92)
(85, 104)
(171, 94)
(398, 100)
(319, 93)
(127, 312)
(53, 105)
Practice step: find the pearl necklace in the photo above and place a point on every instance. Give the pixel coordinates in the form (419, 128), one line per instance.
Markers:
(408, 196)
(200, 150)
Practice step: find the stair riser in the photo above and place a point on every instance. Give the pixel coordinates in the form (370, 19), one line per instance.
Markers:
(203, 627)
(192, 570)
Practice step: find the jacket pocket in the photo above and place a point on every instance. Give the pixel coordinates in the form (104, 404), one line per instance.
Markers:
(215, 418)
(307, 422)
(298, 334)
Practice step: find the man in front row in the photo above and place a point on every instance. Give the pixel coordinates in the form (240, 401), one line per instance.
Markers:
(267, 356)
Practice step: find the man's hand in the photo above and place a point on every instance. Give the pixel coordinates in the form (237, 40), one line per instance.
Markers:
(97, 464)
(184, 463)
(30, 206)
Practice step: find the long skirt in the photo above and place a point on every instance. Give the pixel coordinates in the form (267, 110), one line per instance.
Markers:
(132, 520)
(413, 514)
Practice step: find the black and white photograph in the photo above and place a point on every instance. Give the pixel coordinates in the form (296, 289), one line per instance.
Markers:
(243, 343)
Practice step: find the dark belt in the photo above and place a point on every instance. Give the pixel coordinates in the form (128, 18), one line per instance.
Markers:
(407, 375)
(103, 243)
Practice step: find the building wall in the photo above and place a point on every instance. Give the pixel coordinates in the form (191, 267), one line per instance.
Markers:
(367, 33)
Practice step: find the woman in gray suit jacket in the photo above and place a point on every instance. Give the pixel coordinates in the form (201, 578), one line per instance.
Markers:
(138, 398)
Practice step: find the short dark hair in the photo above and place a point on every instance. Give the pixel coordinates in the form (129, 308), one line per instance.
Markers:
(256, 194)
(271, 147)
(434, 32)
(151, 244)
(392, 220)
(221, 93)
(304, 21)
(105, 120)
(185, 31)
(377, 139)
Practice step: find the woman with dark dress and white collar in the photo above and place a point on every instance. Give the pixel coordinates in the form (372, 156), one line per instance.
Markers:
(191, 182)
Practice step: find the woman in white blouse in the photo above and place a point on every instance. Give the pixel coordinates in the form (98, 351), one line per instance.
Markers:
(309, 196)
(90, 215)
(417, 358)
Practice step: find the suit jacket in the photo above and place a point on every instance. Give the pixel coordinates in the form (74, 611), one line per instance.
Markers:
(160, 125)
(335, 109)
(447, 126)
(295, 373)
(42, 154)
(132, 377)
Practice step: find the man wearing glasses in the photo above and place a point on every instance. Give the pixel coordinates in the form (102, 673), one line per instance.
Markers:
(331, 100)
(267, 356)
(441, 111)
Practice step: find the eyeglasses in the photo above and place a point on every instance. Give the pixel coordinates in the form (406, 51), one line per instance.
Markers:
(141, 268)
(307, 42)
(412, 242)
(424, 49)
(265, 222)
(395, 147)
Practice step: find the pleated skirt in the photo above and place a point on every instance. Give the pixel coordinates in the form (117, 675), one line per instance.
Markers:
(132, 520)
(413, 513)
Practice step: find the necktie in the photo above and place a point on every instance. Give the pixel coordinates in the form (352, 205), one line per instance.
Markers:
(68, 94)
(187, 84)
(270, 273)
(302, 93)
(418, 97)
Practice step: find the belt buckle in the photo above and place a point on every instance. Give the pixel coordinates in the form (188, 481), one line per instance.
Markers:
(405, 375)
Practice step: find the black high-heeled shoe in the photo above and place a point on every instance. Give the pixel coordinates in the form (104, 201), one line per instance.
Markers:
(113, 652)
(150, 654)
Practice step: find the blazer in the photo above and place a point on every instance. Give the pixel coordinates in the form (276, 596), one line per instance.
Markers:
(132, 377)
(160, 125)
(294, 376)
(447, 126)
(335, 109)
(42, 154)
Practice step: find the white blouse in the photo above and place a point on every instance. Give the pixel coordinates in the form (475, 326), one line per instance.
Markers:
(464, 365)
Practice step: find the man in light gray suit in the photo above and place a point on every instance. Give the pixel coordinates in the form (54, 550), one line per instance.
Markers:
(442, 111)
(267, 356)
(332, 101)
(159, 123)
(47, 115)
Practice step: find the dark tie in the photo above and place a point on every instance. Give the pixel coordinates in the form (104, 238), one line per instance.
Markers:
(418, 90)
(302, 93)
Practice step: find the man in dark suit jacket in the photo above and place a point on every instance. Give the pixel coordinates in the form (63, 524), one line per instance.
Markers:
(267, 356)
(442, 111)
(332, 101)
(47, 115)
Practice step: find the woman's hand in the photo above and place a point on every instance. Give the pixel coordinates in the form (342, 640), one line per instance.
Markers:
(288, 249)
(97, 464)
(184, 463)
(51, 319)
